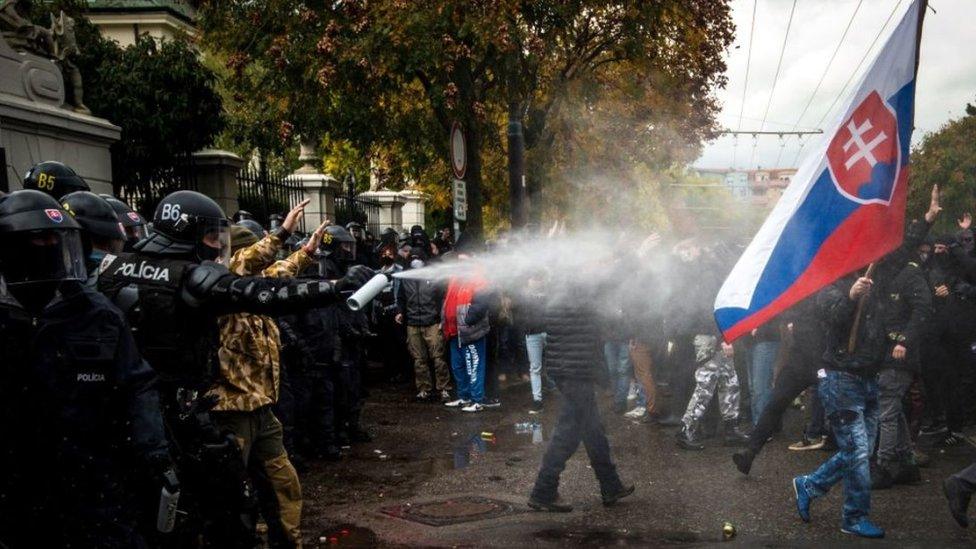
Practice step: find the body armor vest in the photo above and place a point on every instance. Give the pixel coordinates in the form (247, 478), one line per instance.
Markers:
(178, 341)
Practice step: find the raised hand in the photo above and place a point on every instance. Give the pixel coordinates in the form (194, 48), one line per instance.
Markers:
(294, 216)
(966, 221)
(934, 206)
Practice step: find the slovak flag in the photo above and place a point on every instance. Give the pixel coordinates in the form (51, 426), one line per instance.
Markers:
(846, 204)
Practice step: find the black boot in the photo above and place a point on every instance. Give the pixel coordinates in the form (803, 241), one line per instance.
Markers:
(689, 439)
(624, 491)
(743, 460)
(881, 478)
(958, 497)
(733, 436)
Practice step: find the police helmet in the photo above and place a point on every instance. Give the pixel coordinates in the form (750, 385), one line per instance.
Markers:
(95, 215)
(39, 242)
(54, 178)
(134, 224)
(253, 226)
(338, 244)
(241, 215)
(189, 223)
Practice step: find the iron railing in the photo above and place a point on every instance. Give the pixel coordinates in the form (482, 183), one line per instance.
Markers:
(144, 191)
(349, 207)
(263, 194)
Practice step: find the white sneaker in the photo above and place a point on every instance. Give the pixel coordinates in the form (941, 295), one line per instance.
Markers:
(459, 403)
(473, 407)
(632, 393)
(636, 413)
(423, 395)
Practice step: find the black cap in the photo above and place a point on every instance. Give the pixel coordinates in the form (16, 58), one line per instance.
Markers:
(95, 215)
(54, 178)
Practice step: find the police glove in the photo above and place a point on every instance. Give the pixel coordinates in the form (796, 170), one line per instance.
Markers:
(355, 277)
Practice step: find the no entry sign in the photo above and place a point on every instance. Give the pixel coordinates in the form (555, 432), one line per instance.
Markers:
(459, 153)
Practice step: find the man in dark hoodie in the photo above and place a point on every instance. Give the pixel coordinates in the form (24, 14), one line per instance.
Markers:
(848, 382)
(573, 358)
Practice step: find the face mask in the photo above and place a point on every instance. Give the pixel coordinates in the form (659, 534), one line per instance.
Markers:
(923, 257)
(416, 264)
(386, 261)
(207, 253)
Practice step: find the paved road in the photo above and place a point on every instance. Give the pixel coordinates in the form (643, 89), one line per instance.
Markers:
(425, 453)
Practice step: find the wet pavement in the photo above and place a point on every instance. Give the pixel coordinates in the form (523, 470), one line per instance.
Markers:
(436, 477)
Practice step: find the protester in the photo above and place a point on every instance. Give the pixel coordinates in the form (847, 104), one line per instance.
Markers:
(419, 303)
(464, 320)
(573, 339)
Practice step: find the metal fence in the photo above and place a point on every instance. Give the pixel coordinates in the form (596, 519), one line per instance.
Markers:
(264, 194)
(143, 192)
(349, 208)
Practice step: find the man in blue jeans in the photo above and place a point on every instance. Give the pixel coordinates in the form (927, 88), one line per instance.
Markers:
(617, 355)
(848, 388)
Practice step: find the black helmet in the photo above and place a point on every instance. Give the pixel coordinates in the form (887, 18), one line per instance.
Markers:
(338, 244)
(39, 242)
(54, 178)
(134, 224)
(241, 215)
(253, 226)
(189, 223)
(94, 214)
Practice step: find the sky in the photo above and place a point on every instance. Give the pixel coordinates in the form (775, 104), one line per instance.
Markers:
(946, 78)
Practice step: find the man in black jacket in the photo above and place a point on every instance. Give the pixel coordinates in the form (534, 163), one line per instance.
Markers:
(573, 347)
(907, 308)
(848, 384)
(418, 305)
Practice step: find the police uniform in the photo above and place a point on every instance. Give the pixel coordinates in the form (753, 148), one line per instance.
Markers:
(94, 417)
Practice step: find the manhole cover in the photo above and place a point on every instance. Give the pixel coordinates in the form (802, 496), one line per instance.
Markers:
(452, 511)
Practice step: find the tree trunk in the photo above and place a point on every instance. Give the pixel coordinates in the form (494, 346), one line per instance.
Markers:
(516, 167)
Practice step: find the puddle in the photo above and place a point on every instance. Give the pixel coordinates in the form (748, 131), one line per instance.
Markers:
(617, 538)
(472, 446)
(348, 535)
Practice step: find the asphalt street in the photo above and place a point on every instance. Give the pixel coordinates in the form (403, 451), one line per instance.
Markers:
(442, 465)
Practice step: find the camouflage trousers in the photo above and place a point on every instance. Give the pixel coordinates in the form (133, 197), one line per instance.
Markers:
(715, 373)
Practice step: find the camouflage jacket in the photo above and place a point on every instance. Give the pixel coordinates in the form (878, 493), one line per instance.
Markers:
(250, 367)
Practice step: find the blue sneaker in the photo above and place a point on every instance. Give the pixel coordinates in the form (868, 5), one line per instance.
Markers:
(803, 498)
(864, 528)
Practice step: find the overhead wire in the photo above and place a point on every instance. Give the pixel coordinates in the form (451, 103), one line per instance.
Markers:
(823, 75)
(779, 65)
(857, 70)
(745, 86)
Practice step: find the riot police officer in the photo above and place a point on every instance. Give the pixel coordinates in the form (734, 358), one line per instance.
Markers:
(132, 222)
(69, 363)
(54, 178)
(102, 232)
(349, 330)
(174, 288)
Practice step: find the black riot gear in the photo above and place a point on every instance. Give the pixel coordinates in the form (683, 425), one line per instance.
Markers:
(54, 178)
(189, 224)
(40, 247)
(132, 222)
(101, 227)
(338, 245)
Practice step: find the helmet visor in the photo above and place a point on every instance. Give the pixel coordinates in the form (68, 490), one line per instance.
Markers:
(214, 236)
(31, 257)
(136, 233)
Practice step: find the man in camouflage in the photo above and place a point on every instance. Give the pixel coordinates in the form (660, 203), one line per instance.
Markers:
(716, 372)
(248, 384)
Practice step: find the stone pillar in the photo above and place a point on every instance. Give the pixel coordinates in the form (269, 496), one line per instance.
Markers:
(320, 188)
(216, 175)
(414, 208)
(391, 208)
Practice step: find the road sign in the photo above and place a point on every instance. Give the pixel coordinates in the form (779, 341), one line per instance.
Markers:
(460, 189)
(459, 152)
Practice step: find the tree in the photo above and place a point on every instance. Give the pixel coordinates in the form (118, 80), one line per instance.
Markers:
(947, 158)
(390, 76)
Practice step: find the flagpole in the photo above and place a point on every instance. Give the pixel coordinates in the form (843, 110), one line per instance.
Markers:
(923, 6)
